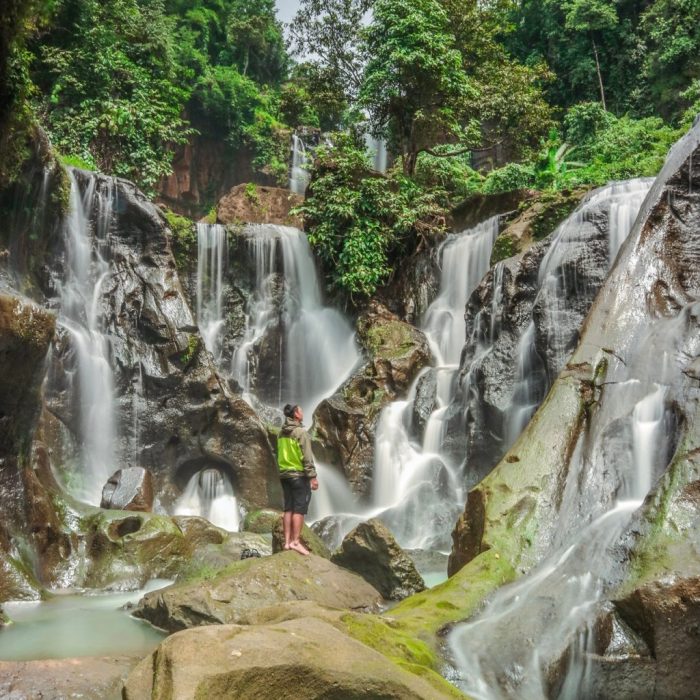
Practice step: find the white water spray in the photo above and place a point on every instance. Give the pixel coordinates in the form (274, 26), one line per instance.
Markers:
(299, 176)
(212, 258)
(209, 494)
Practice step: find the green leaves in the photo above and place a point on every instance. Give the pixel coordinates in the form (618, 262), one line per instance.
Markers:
(358, 221)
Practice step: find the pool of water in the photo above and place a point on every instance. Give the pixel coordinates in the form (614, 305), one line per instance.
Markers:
(71, 625)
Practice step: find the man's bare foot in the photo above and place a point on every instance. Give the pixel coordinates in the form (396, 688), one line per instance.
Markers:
(287, 546)
(299, 547)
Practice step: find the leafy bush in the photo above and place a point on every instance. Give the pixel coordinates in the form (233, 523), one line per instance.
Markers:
(513, 176)
(358, 221)
(452, 176)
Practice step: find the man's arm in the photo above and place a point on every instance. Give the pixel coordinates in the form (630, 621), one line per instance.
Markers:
(306, 453)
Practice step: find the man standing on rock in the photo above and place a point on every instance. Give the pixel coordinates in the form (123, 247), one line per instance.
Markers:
(298, 475)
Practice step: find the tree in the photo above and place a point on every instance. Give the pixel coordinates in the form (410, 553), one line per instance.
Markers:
(256, 40)
(328, 33)
(591, 16)
(414, 87)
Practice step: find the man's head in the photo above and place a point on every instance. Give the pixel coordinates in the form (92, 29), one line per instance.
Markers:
(293, 411)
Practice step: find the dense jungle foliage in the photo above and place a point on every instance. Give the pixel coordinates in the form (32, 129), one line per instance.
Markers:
(469, 96)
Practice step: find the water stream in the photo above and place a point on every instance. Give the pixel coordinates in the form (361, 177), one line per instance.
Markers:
(85, 282)
(299, 174)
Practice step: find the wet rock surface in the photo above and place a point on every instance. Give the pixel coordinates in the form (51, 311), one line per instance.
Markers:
(252, 584)
(187, 415)
(345, 423)
(125, 549)
(129, 489)
(371, 551)
(304, 658)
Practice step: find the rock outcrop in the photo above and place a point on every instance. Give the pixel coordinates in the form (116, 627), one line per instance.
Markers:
(185, 415)
(303, 658)
(345, 424)
(258, 204)
(252, 584)
(371, 551)
(128, 489)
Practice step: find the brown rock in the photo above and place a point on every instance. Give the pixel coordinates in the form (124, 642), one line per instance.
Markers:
(303, 659)
(258, 204)
(252, 584)
(308, 538)
(371, 551)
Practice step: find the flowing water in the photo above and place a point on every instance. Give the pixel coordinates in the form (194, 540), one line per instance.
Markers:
(212, 260)
(315, 344)
(416, 490)
(86, 281)
(209, 494)
(299, 175)
(514, 648)
(557, 285)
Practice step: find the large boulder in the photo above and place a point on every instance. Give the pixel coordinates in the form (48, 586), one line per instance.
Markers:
(371, 551)
(305, 659)
(126, 549)
(255, 583)
(128, 489)
(345, 423)
(258, 204)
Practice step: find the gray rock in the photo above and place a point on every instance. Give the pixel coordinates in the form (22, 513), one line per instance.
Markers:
(130, 488)
(371, 551)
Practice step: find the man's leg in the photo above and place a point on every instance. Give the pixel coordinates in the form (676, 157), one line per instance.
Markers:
(297, 526)
(287, 528)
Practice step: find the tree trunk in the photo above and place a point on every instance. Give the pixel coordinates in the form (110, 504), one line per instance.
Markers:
(600, 77)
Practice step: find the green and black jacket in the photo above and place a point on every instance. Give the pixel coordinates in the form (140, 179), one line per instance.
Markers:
(294, 455)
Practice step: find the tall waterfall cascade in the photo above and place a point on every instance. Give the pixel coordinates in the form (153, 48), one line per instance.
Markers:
(621, 202)
(212, 259)
(616, 461)
(416, 490)
(85, 282)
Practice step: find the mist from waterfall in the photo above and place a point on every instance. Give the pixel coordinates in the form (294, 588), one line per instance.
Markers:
(85, 232)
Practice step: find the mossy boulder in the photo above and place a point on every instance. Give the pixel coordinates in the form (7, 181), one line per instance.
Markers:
(230, 595)
(261, 522)
(308, 538)
(304, 658)
(345, 423)
(126, 549)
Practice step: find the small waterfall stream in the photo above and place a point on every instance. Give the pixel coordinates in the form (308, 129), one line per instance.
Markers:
(212, 260)
(299, 175)
(86, 274)
(209, 494)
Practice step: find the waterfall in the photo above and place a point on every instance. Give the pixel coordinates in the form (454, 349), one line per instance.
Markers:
(209, 494)
(85, 234)
(536, 638)
(299, 176)
(621, 202)
(315, 343)
(377, 153)
(416, 490)
(212, 258)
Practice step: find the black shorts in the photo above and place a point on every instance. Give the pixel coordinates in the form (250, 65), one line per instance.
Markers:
(297, 494)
